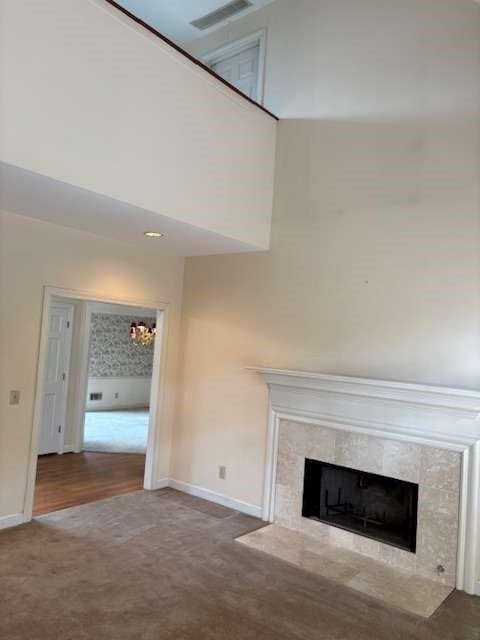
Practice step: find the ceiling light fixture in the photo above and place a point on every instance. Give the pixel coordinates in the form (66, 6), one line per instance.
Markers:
(141, 334)
(153, 234)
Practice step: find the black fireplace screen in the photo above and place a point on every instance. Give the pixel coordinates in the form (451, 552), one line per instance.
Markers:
(371, 505)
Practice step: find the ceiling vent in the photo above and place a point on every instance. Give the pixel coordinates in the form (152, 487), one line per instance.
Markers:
(220, 15)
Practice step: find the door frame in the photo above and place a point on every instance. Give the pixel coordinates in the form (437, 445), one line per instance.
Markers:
(69, 307)
(157, 391)
(237, 46)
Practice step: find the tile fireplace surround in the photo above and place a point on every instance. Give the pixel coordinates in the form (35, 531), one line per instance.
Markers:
(421, 434)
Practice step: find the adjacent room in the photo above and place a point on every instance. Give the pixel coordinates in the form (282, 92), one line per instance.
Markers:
(240, 320)
(120, 365)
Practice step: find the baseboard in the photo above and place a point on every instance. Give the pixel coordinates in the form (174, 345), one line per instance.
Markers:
(69, 448)
(219, 498)
(11, 521)
(117, 407)
(477, 590)
(160, 484)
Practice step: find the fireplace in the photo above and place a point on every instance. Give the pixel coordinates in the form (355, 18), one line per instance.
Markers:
(368, 504)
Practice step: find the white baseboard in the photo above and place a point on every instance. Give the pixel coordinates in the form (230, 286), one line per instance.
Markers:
(69, 448)
(110, 406)
(11, 521)
(219, 498)
(161, 484)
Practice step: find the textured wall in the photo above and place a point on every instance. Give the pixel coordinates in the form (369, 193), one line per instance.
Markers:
(112, 352)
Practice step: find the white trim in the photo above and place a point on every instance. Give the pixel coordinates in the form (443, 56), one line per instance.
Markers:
(162, 483)
(82, 381)
(128, 310)
(219, 498)
(157, 397)
(68, 349)
(157, 390)
(237, 46)
(435, 416)
(100, 379)
(12, 521)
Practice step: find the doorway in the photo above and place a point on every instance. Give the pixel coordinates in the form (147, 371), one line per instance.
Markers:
(120, 366)
(103, 385)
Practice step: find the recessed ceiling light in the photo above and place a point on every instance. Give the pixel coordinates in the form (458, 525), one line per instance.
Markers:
(153, 234)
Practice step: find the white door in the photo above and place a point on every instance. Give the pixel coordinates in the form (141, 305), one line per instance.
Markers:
(241, 70)
(54, 401)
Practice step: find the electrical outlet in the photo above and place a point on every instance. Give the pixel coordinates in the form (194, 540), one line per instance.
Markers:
(116, 395)
(14, 397)
(222, 472)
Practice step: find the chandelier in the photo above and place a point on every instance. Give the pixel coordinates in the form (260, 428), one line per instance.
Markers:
(141, 334)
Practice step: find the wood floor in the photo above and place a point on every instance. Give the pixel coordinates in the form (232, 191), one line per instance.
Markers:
(78, 478)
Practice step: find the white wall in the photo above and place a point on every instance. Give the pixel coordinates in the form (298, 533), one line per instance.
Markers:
(34, 254)
(364, 58)
(94, 100)
(374, 266)
(132, 393)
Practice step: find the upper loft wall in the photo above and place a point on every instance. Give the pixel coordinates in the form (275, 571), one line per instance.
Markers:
(364, 60)
(93, 100)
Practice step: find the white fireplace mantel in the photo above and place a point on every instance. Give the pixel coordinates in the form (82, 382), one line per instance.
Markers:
(437, 416)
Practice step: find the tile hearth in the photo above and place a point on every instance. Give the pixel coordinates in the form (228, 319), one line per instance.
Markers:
(415, 594)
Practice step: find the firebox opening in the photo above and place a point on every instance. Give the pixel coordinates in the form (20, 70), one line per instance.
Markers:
(371, 505)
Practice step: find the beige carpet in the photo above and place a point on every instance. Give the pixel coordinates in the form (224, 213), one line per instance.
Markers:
(162, 565)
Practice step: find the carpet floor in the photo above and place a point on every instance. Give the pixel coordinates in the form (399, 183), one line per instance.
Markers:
(163, 565)
(116, 431)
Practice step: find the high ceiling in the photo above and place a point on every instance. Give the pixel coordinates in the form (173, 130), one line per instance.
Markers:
(172, 17)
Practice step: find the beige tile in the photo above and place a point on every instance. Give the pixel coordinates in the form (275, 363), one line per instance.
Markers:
(440, 469)
(413, 594)
(398, 558)
(437, 471)
(359, 451)
(293, 435)
(438, 501)
(328, 568)
(416, 595)
(317, 530)
(401, 460)
(290, 468)
(436, 545)
(288, 506)
(341, 538)
(367, 547)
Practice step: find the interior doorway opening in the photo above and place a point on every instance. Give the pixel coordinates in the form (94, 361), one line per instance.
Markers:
(97, 401)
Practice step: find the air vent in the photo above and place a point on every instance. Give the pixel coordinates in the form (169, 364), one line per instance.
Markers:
(223, 13)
